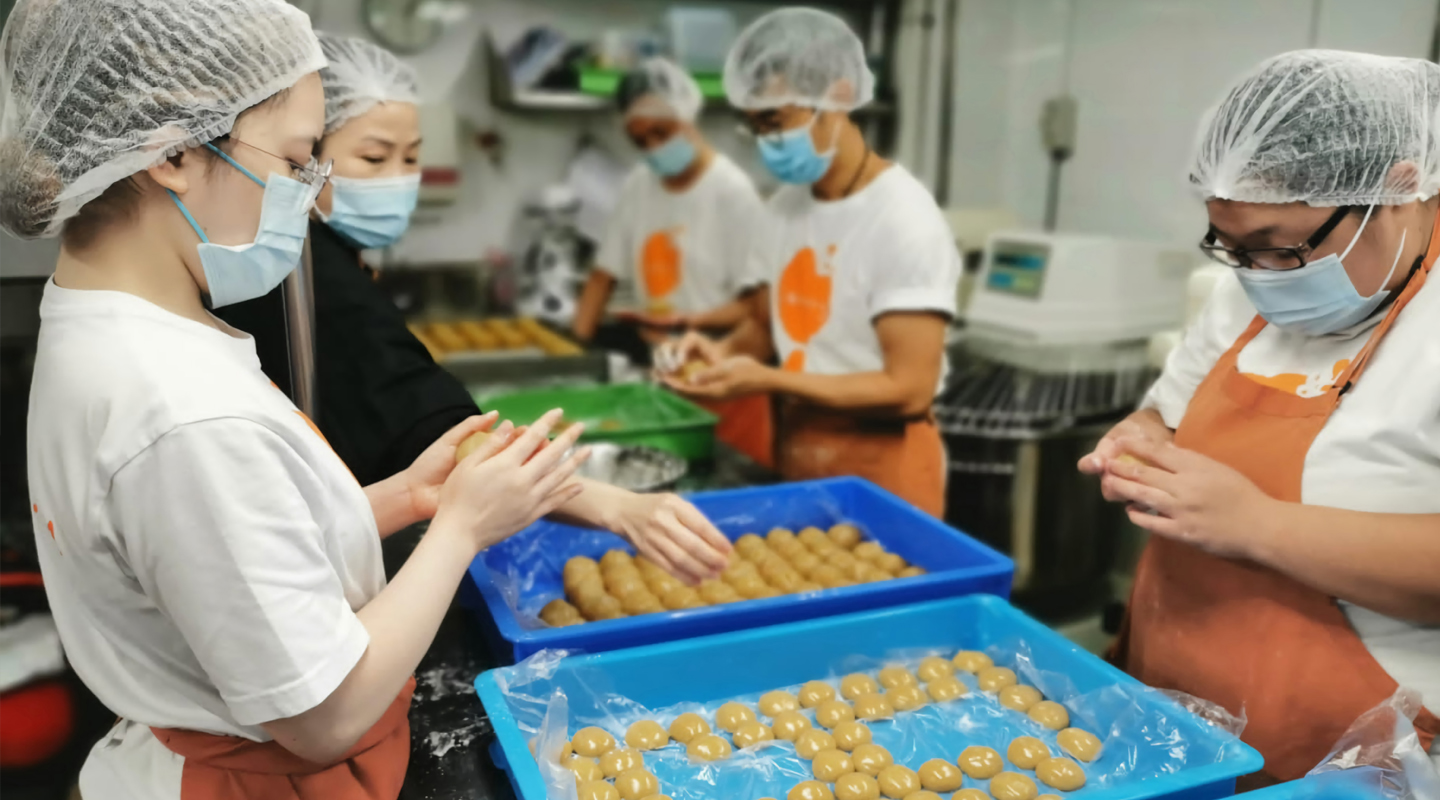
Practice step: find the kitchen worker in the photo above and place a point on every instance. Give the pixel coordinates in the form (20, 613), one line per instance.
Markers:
(381, 399)
(213, 568)
(682, 227)
(1287, 462)
(863, 272)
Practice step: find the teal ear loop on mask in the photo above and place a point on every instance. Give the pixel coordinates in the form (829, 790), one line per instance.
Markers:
(232, 162)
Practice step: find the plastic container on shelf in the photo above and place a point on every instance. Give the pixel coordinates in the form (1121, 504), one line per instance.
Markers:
(629, 414)
(700, 37)
(517, 577)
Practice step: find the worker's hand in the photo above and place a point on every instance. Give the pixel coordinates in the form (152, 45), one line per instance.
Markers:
(1144, 425)
(1183, 495)
(424, 478)
(511, 480)
(673, 354)
(673, 534)
(731, 377)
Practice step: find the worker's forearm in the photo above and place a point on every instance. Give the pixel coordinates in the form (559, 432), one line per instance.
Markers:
(1387, 563)
(392, 504)
(594, 298)
(593, 508)
(750, 338)
(876, 392)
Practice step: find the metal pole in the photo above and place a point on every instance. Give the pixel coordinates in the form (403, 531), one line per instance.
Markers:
(300, 327)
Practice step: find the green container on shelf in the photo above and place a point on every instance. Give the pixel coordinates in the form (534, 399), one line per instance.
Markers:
(605, 82)
(627, 413)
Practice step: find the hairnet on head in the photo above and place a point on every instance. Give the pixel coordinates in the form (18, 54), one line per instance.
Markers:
(359, 76)
(660, 88)
(94, 91)
(798, 56)
(1327, 128)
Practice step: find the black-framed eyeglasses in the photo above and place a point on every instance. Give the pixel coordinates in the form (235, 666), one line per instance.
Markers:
(1272, 258)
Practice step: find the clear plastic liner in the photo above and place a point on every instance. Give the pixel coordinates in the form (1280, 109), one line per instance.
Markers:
(1145, 734)
(1378, 757)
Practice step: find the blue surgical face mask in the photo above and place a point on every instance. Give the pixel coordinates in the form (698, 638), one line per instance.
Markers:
(1317, 298)
(236, 273)
(373, 212)
(672, 158)
(791, 156)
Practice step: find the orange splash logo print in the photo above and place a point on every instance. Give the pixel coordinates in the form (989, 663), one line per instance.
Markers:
(661, 262)
(803, 301)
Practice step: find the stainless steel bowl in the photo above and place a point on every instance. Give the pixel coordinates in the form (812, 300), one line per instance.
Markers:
(639, 469)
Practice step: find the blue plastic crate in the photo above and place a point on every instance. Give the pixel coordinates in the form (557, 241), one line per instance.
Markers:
(534, 559)
(785, 655)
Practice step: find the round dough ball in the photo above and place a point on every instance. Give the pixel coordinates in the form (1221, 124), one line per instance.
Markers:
(897, 781)
(1079, 743)
(767, 592)
(896, 675)
(831, 764)
(980, 762)
(597, 790)
(716, 592)
(1026, 751)
(661, 584)
(577, 569)
(775, 570)
(589, 588)
(911, 572)
(891, 563)
(641, 602)
(834, 712)
(648, 569)
(750, 587)
(636, 784)
(592, 742)
(969, 794)
(772, 703)
(850, 735)
(906, 698)
(748, 545)
(620, 759)
(926, 795)
(789, 549)
(856, 684)
(813, 741)
(971, 660)
(647, 734)
(687, 726)
(934, 667)
(603, 607)
(829, 577)
(708, 747)
(681, 597)
(842, 561)
(993, 679)
(865, 572)
(1012, 786)
(871, 758)
(814, 693)
(752, 733)
(810, 790)
(868, 551)
(805, 562)
(939, 775)
(559, 613)
(843, 535)
(739, 568)
(856, 786)
(1020, 697)
(585, 769)
(872, 706)
(1060, 773)
(778, 535)
(815, 539)
(732, 715)
(616, 558)
(788, 583)
(943, 690)
(1048, 796)
(621, 584)
(1050, 714)
(788, 725)
(808, 586)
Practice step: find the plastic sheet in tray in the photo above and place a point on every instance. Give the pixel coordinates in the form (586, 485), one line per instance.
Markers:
(1153, 747)
(517, 577)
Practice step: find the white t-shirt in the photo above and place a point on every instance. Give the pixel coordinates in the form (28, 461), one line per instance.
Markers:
(204, 550)
(1379, 451)
(691, 251)
(838, 265)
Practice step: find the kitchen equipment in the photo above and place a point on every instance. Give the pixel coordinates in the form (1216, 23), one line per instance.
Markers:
(639, 469)
(631, 413)
(551, 269)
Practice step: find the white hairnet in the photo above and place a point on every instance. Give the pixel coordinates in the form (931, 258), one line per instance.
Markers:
(798, 56)
(94, 91)
(660, 88)
(1327, 128)
(360, 75)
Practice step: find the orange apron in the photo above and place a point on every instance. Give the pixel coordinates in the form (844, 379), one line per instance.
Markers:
(745, 424)
(231, 768)
(903, 456)
(1238, 633)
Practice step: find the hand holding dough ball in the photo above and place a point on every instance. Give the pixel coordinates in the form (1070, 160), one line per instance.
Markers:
(592, 742)
(585, 769)
(873, 706)
(772, 703)
(597, 790)
(939, 775)
(1013, 786)
(834, 712)
(1081, 744)
(812, 742)
(731, 716)
(1027, 751)
(1060, 773)
(843, 535)
(852, 686)
(647, 735)
(857, 786)
(831, 764)
(620, 759)
(971, 661)
(871, 758)
(993, 679)
(850, 735)
(980, 762)
(906, 698)
(896, 675)
(934, 667)
(636, 784)
(470, 445)
(814, 693)
(1020, 697)
(810, 790)
(943, 690)
(750, 734)
(708, 747)
(1050, 714)
(788, 725)
(687, 726)
(898, 781)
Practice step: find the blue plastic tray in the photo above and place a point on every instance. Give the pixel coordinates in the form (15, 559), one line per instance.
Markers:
(1362, 783)
(528, 568)
(785, 655)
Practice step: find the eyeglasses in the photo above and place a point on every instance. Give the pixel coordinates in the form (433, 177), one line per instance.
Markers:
(1272, 258)
(313, 174)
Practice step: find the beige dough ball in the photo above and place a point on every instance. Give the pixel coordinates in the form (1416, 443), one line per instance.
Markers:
(980, 762)
(1019, 697)
(993, 679)
(681, 597)
(1050, 714)
(647, 734)
(1081, 744)
(636, 784)
(732, 715)
(926, 795)
(767, 592)
(620, 759)
(910, 572)
(805, 562)
(585, 769)
(850, 735)
(708, 747)
(934, 667)
(906, 698)
(813, 741)
(971, 660)
(815, 539)
(1060, 773)
(856, 684)
(788, 583)
(830, 765)
(776, 570)
(943, 690)
(621, 584)
(641, 602)
(1026, 751)
(856, 786)
(616, 558)
(869, 573)
(603, 606)
(560, 613)
(577, 569)
(687, 726)
(846, 536)
(716, 592)
(810, 790)
(587, 588)
(891, 563)
(813, 693)
(898, 781)
(778, 535)
(843, 561)
(661, 584)
(788, 725)
(834, 712)
(896, 675)
(868, 551)
(1048, 796)
(750, 587)
(871, 758)
(739, 571)
(648, 569)
(749, 544)
(873, 706)
(808, 586)
(597, 790)
(752, 733)
(789, 549)
(969, 794)
(829, 577)
(592, 742)
(772, 703)
(1012, 786)
(939, 775)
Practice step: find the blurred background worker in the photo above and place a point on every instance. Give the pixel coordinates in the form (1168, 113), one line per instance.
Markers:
(863, 269)
(1289, 455)
(683, 227)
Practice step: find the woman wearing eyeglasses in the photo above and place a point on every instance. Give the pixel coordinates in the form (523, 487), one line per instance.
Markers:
(1288, 459)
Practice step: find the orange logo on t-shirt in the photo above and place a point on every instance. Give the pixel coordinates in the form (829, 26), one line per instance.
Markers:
(1302, 385)
(660, 264)
(803, 300)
